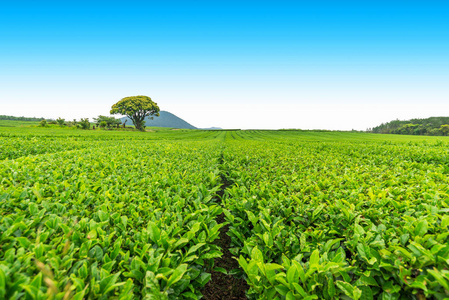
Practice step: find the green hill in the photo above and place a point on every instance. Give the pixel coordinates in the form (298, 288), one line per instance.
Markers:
(166, 119)
(428, 126)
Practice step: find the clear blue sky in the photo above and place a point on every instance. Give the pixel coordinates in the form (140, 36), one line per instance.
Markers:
(233, 64)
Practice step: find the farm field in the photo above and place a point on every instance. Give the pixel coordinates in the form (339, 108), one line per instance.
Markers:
(309, 214)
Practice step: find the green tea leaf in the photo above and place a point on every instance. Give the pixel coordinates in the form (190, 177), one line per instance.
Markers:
(177, 274)
(107, 283)
(349, 290)
(154, 231)
(314, 259)
(2, 284)
(421, 228)
(257, 255)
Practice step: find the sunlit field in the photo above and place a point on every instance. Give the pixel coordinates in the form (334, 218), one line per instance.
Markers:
(108, 214)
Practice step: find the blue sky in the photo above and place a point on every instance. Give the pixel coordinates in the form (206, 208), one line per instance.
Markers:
(234, 64)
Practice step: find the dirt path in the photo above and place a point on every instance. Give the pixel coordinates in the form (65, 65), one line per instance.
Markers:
(225, 286)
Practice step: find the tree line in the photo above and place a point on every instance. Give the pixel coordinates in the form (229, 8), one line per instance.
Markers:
(136, 108)
(428, 126)
(12, 118)
(84, 123)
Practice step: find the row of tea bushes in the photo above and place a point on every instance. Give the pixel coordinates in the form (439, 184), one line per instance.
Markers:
(113, 220)
(339, 220)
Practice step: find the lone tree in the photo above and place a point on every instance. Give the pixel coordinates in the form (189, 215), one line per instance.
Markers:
(136, 108)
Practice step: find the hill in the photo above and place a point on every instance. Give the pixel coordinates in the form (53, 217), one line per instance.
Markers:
(166, 119)
(428, 126)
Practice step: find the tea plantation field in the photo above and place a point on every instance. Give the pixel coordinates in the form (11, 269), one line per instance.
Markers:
(310, 215)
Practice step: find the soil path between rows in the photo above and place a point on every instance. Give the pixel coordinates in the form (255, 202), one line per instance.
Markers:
(225, 286)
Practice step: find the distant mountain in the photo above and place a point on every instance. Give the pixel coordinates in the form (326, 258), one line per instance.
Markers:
(166, 119)
(212, 128)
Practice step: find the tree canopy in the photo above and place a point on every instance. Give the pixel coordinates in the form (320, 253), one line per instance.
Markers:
(137, 108)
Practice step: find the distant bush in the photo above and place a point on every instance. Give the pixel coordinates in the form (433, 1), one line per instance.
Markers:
(108, 122)
(84, 123)
(60, 121)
